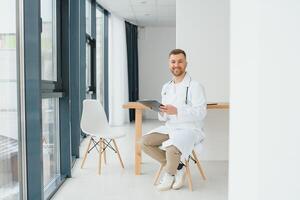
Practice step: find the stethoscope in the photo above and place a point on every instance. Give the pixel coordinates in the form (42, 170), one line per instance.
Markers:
(187, 88)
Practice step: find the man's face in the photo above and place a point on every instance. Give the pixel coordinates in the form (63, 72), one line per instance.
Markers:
(177, 64)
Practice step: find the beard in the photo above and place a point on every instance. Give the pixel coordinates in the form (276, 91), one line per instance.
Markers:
(177, 71)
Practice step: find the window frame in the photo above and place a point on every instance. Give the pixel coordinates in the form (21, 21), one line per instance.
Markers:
(91, 41)
(91, 88)
(102, 67)
(49, 88)
(35, 89)
(71, 36)
(105, 57)
(53, 89)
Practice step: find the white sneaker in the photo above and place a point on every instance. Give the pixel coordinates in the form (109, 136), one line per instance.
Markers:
(179, 179)
(166, 182)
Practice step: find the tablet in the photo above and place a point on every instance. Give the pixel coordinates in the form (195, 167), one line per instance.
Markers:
(152, 104)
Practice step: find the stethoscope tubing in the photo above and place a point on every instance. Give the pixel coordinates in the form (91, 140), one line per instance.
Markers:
(187, 89)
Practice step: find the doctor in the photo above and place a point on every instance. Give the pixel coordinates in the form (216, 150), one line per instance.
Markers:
(183, 111)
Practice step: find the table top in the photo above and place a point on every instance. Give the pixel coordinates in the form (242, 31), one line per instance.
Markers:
(137, 105)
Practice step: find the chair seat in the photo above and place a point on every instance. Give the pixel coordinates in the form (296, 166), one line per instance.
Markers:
(109, 134)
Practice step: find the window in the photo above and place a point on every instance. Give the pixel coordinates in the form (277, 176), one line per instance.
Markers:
(88, 68)
(9, 113)
(90, 49)
(48, 39)
(51, 84)
(100, 54)
(51, 152)
(88, 17)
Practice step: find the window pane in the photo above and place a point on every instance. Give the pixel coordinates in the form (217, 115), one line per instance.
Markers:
(50, 119)
(88, 16)
(100, 55)
(9, 153)
(88, 70)
(48, 40)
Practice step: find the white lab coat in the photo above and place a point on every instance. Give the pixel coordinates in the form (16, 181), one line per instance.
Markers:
(186, 128)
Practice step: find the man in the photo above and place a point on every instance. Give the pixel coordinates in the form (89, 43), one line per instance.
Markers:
(184, 108)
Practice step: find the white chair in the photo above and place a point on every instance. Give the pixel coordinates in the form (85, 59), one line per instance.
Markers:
(94, 123)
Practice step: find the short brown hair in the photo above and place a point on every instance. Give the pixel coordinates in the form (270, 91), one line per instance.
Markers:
(176, 52)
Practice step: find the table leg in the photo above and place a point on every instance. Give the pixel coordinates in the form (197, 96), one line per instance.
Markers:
(138, 134)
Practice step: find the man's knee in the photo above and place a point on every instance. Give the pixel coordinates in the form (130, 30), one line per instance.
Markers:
(146, 140)
(172, 150)
(153, 139)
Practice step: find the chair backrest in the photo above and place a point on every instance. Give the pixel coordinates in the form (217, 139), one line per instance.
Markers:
(93, 118)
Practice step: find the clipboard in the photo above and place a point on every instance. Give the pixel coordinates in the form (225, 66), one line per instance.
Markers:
(152, 104)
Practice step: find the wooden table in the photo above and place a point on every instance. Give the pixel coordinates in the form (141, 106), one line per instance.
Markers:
(138, 127)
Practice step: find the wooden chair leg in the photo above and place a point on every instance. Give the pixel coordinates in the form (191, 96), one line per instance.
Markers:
(86, 152)
(158, 174)
(188, 174)
(100, 155)
(118, 153)
(104, 152)
(199, 166)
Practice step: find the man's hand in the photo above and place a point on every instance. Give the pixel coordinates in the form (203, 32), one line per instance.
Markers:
(169, 109)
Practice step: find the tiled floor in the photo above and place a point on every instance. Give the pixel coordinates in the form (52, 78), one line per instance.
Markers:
(117, 184)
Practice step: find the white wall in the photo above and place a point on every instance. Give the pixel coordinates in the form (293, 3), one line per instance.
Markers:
(202, 30)
(154, 45)
(264, 124)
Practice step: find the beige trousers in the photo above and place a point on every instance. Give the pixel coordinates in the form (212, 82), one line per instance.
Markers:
(170, 158)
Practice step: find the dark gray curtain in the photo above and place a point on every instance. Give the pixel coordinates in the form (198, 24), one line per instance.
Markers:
(132, 57)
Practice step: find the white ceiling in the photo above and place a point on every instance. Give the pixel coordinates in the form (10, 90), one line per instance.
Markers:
(143, 12)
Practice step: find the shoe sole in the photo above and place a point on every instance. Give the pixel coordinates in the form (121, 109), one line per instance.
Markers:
(178, 187)
(164, 189)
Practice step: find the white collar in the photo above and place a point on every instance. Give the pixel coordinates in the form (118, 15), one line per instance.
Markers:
(186, 80)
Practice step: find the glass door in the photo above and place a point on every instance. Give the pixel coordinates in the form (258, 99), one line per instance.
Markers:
(10, 134)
